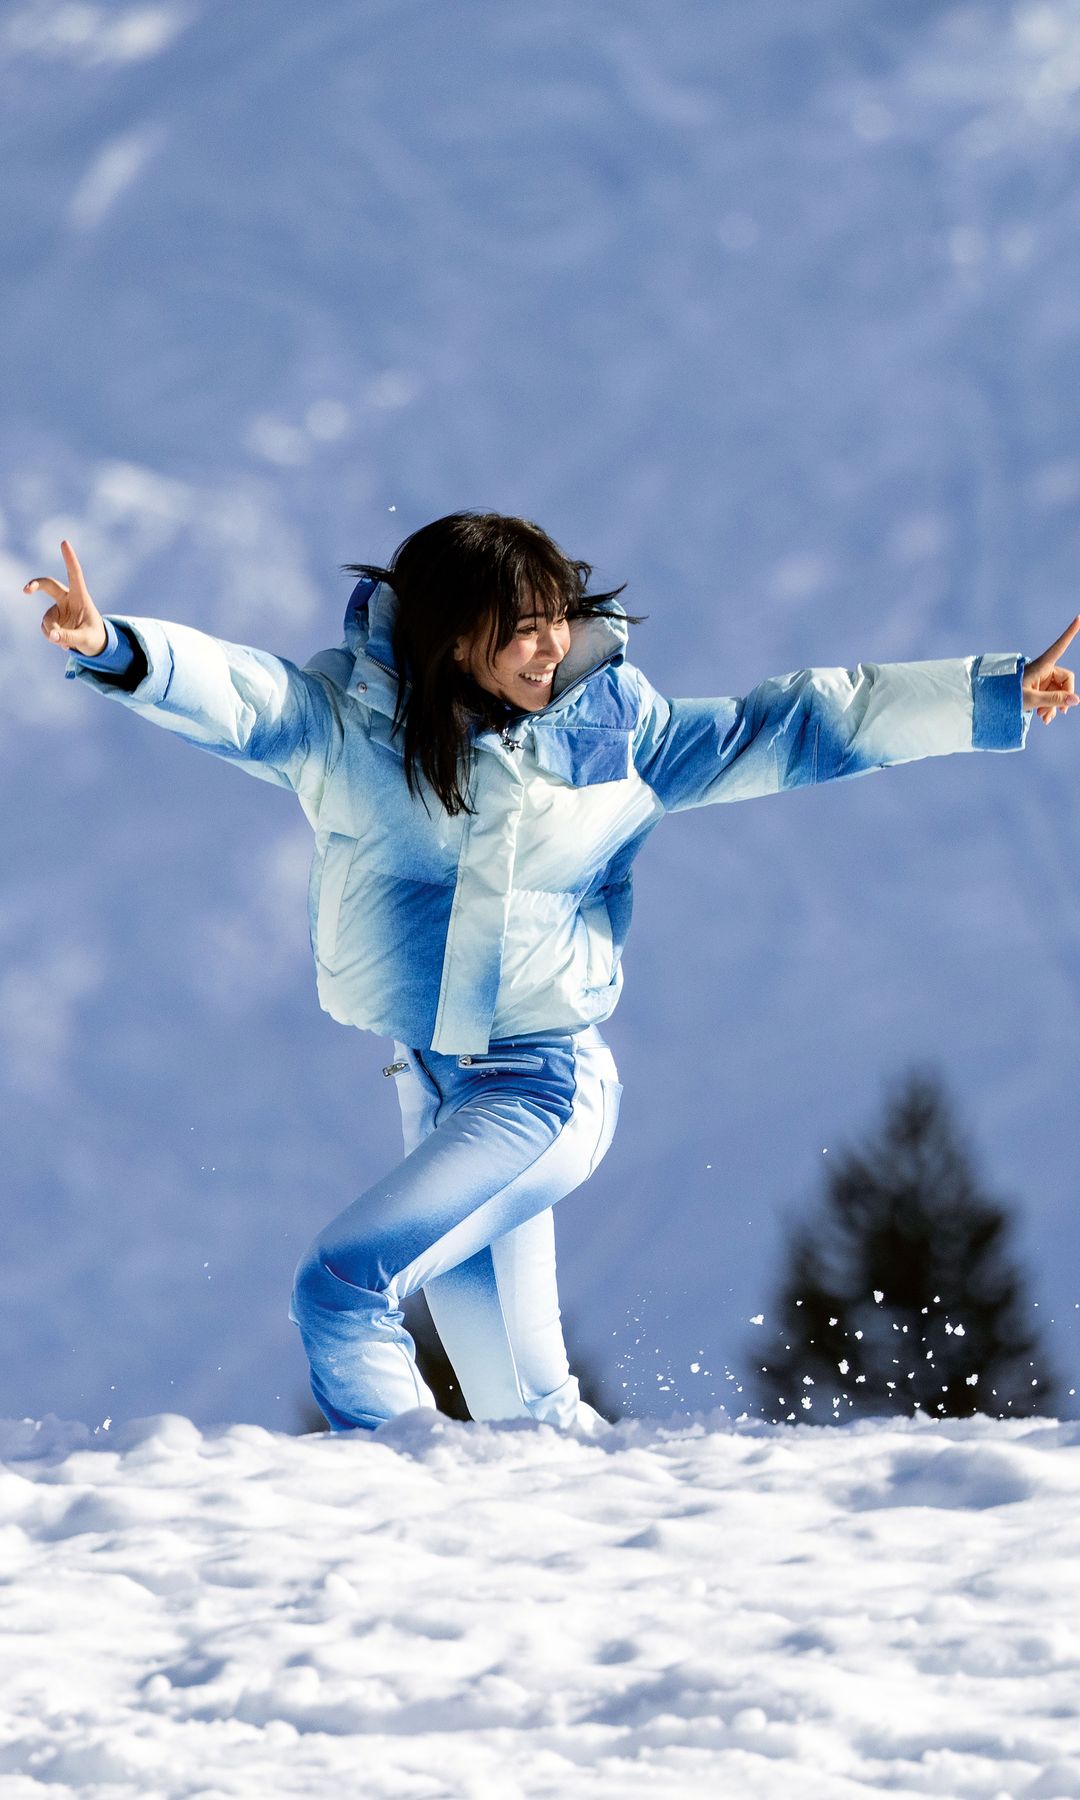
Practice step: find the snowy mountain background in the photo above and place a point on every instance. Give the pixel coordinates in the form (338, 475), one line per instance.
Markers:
(770, 312)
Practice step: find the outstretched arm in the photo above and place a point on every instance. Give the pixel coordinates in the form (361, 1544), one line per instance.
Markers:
(257, 710)
(825, 724)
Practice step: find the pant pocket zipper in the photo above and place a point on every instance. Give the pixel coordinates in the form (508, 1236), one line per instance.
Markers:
(517, 1065)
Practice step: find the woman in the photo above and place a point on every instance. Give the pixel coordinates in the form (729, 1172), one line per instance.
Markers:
(481, 765)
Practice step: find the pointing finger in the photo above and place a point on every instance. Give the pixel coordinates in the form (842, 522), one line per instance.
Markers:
(1056, 649)
(77, 581)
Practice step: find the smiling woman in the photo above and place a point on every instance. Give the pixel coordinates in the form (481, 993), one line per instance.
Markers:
(523, 671)
(486, 605)
(481, 765)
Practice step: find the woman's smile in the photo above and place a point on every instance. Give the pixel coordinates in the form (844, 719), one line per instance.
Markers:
(509, 673)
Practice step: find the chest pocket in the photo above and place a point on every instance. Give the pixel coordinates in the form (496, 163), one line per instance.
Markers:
(583, 755)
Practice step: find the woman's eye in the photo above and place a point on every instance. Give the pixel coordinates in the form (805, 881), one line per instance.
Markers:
(531, 630)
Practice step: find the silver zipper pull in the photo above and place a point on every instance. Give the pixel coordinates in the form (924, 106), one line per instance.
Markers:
(395, 1068)
(511, 743)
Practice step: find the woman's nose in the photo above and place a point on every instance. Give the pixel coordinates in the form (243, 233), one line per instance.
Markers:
(549, 644)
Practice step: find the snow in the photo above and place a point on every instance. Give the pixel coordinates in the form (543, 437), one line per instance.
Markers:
(771, 312)
(488, 1612)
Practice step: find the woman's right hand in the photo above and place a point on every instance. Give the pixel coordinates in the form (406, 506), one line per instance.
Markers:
(73, 620)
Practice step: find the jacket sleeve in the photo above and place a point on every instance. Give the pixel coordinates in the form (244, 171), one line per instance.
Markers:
(274, 719)
(824, 725)
(121, 659)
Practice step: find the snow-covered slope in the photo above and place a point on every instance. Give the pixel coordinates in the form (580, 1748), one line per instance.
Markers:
(448, 1612)
(768, 310)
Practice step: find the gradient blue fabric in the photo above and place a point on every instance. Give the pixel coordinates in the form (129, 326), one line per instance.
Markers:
(451, 933)
(492, 1142)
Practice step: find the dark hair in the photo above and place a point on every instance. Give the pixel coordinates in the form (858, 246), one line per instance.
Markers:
(451, 578)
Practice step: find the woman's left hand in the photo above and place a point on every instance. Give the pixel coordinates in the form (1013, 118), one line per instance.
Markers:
(1049, 690)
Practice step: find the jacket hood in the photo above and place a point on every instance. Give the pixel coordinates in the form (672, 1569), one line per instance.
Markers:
(369, 634)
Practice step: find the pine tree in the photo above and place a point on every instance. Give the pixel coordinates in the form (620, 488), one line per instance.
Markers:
(903, 1296)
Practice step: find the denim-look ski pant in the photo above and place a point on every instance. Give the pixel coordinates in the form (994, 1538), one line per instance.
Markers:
(491, 1142)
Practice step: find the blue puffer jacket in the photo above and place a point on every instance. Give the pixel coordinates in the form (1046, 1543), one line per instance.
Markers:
(445, 933)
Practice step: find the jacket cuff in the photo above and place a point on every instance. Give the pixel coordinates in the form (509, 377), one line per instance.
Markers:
(998, 719)
(117, 656)
(152, 641)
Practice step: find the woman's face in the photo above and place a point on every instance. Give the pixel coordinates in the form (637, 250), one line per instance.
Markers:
(523, 671)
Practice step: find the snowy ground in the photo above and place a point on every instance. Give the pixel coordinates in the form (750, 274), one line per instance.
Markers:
(690, 1608)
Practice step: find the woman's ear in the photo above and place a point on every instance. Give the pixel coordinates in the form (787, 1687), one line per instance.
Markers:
(461, 650)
